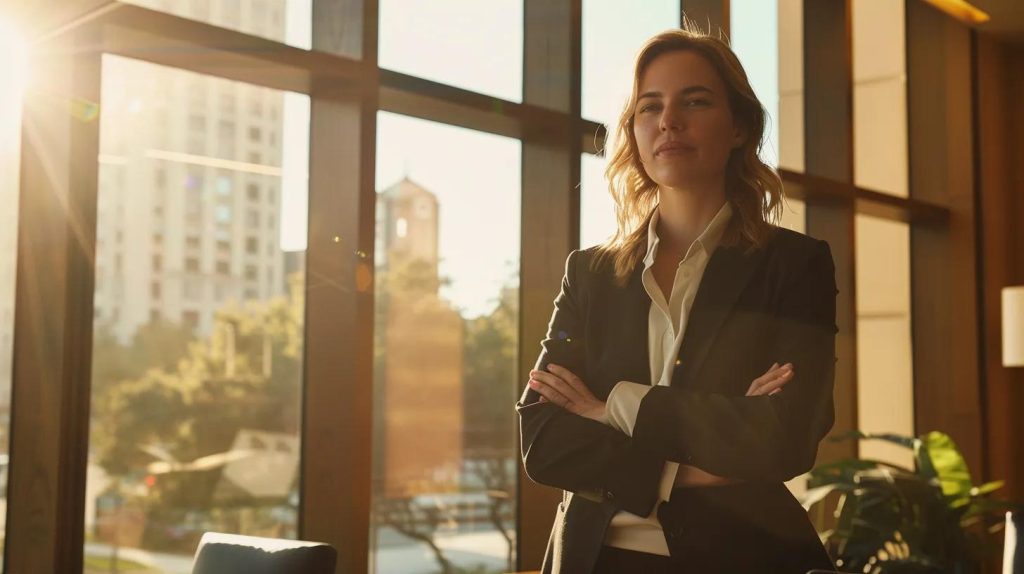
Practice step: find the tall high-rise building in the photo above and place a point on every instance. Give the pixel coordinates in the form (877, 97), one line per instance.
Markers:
(189, 198)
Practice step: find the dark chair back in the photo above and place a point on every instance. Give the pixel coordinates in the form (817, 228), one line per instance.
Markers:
(235, 554)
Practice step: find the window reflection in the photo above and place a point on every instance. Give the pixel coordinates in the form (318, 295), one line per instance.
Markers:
(445, 349)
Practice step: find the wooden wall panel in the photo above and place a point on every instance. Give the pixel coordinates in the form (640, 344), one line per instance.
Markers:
(944, 293)
(1000, 88)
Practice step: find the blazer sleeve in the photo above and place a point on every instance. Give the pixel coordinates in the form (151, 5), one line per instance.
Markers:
(764, 437)
(571, 452)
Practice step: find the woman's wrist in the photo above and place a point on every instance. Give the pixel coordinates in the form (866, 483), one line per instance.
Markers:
(688, 475)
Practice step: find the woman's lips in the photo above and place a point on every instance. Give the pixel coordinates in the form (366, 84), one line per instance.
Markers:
(675, 151)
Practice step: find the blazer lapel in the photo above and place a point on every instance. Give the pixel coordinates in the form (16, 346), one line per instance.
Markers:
(727, 273)
(638, 308)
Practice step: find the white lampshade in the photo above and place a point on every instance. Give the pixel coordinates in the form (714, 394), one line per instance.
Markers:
(1013, 326)
(1010, 550)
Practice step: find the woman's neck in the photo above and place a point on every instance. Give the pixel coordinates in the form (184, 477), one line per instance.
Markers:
(684, 213)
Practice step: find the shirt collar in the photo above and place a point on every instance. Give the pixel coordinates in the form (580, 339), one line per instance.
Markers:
(707, 240)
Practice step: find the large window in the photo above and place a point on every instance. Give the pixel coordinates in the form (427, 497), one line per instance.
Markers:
(446, 348)
(198, 329)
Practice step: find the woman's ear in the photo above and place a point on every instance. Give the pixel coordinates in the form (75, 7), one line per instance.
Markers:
(739, 136)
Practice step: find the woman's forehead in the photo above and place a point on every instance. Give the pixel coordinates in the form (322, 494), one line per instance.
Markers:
(673, 72)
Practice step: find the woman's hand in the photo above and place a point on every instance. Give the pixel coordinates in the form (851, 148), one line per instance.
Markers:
(772, 381)
(563, 388)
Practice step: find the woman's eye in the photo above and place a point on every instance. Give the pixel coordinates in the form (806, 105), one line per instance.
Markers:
(645, 108)
(699, 102)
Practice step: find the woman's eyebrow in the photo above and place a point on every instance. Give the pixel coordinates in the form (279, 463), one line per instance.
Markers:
(683, 92)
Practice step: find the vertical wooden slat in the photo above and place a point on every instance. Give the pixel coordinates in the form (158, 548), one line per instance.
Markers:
(54, 309)
(1000, 83)
(337, 402)
(550, 216)
(943, 261)
(828, 133)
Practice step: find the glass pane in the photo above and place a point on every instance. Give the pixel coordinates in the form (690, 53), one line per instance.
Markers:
(13, 59)
(754, 30)
(288, 21)
(613, 33)
(597, 208)
(198, 330)
(445, 349)
(791, 85)
(885, 391)
(470, 44)
(880, 96)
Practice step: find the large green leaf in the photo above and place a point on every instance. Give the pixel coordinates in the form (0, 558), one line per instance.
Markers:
(846, 470)
(817, 494)
(901, 440)
(949, 465)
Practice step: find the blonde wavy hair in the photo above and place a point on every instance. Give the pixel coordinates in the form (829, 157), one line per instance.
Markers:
(752, 188)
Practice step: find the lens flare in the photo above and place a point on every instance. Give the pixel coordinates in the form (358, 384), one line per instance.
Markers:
(14, 62)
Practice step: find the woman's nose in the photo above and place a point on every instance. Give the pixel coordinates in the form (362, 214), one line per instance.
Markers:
(669, 121)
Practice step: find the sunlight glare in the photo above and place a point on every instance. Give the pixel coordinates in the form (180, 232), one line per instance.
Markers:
(14, 60)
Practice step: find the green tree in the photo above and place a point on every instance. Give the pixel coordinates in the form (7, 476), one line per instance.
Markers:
(169, 397)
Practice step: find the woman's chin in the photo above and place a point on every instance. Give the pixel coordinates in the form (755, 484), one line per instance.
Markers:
(679, 179)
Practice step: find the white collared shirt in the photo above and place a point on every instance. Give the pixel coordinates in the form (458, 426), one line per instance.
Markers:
(666, 326)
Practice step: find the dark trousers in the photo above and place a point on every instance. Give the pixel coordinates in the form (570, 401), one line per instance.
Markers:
(613, 560)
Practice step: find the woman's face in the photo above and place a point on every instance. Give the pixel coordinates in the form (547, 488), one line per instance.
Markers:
(683, 102)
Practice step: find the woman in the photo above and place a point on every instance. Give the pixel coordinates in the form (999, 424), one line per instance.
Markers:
(688, 366)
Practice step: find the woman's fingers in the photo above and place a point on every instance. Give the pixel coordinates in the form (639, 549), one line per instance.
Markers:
(549, 393)
(575, 382)
(566, 393)
(772, 380)
(776, 385)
